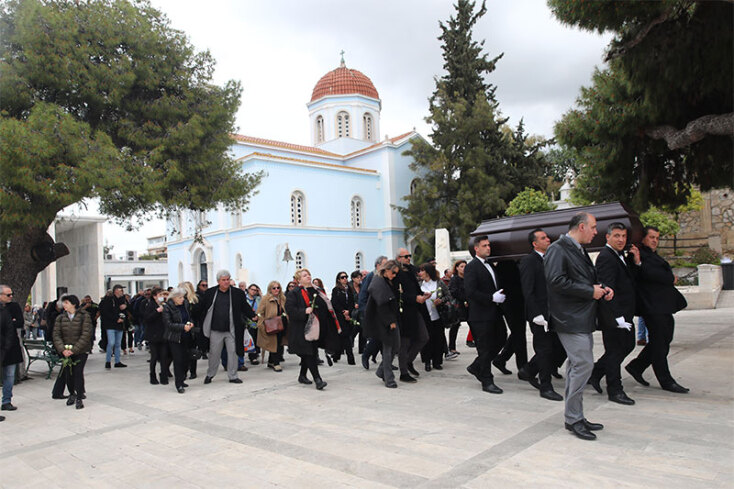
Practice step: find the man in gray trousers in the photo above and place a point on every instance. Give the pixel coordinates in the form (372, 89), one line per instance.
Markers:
(225, 309)
(573, 290)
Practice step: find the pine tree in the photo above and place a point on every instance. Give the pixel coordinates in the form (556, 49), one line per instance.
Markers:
(464, 173)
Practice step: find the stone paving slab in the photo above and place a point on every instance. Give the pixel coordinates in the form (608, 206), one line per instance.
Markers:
(442, 432)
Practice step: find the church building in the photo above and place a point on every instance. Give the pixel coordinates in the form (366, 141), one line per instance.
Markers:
(327, 207)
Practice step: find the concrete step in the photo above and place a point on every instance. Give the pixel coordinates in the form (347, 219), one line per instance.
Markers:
(725, 300)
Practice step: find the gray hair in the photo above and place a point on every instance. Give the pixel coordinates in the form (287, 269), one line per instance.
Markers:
(177, 292)
(379, 259)
(3, 287)
(222, 274)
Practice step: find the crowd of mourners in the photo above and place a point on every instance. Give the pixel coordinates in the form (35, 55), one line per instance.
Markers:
(396, 310)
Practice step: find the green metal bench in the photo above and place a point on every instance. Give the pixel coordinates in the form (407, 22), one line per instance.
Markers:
(42, 350)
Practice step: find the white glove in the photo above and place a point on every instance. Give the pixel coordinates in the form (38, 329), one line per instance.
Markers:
(499, 297)
(622, 324)
(540, 321)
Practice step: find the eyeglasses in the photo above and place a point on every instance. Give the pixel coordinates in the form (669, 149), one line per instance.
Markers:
(274, 288)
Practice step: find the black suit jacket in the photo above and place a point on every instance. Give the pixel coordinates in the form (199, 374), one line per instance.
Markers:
(617, 275)
(479, 288)
(655, 281)
(571, 276)
(534, 288)
(240, 307)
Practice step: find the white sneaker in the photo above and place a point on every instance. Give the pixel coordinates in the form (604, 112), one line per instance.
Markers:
(452, 355)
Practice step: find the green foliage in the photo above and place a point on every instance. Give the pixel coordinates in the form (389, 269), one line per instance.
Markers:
(104, 99)
(666, 224)
(706, 255)
(527, 202)
(656, 77)
(472, 169)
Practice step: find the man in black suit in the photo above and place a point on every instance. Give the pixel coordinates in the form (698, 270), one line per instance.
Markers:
(224, 309)
(573, 290)
(658, 301)
(613, 271)
(413, 331)
(545, 342)
(486, 322)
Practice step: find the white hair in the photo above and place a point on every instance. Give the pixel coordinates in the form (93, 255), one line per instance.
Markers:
(222, 274)
(177, 292)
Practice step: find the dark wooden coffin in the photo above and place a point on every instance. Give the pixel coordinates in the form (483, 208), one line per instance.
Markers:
(509, 235)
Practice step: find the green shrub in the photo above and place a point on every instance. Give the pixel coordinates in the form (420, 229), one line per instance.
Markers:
(527, 202)
(706, 255)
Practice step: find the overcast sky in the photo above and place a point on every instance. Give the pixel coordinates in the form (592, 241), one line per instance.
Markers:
(279, 49)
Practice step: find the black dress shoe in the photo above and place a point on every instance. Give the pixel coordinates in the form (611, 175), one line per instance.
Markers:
(556, 374)
(184, 384)
(8, 407)
(235, 381)
(674, 387)
(391, 385)
(621, 398)
(438, 367)
(181, 390)
(107, 365)
(207, 380)
(320, 384)
(79, 404)
(595, 384)
(501, 367)
(579, 429)
(428, 366)
(71, 400)
(551, 395)
(302, 379)
(523, 374)
(120, 365)
(637, 376)
(407, 378)
(365, 362)
(470, 344)
(491, 388)
(412, 371)
(2, 418)
(474, 372)
(192, 376)
(593, 426)
(59, 397)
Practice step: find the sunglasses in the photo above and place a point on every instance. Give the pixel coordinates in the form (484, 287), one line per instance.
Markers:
(8, 295)
(405, 256)
(342, 276)
(274, 288)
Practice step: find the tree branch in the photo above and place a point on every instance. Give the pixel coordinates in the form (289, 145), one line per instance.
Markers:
(637, 39)
(708, 125)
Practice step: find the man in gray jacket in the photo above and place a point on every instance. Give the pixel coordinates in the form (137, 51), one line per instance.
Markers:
(573, 290)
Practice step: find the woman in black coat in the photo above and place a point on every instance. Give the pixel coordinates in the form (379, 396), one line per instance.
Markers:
(153, 320)
(72, 338)
(342, 297)
(456, 287)
(299, 304)
(381, 319)
(179, 327)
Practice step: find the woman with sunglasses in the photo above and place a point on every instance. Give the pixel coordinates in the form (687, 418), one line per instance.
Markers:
(342, 297)
(272, 306)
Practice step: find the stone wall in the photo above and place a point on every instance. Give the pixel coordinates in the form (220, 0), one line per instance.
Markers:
(714, 223)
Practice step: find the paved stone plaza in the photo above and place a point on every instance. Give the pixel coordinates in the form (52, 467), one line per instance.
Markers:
(442, 432)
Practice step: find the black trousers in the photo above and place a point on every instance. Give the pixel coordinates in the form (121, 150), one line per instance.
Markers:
(73, 380)
(453, 333)
(516, 343)
(310, 363)
(549, 355)
(103, 339)
(372, 348)
(159, 354)
(433, 350)
(274, 358)
(489, 336)
(180, 355)
(660, 329)
(618, 343)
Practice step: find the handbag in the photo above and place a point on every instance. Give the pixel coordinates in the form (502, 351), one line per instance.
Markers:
(274, 325)
(312, 329)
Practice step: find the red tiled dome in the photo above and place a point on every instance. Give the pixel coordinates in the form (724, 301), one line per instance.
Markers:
(342, 81)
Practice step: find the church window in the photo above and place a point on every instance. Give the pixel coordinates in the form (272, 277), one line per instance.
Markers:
(319, 129)
(297, 209)
(238, 262)
(413, 186)
(300, 260)
(356, 211)
(203, 268)
(368, 129)
(358, 260)
(342, 125)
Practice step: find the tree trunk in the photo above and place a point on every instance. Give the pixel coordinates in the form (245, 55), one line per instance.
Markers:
(19, 269)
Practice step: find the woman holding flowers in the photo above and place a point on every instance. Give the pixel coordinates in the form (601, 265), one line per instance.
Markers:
(305, 334)
(272, 306)
(72, 338)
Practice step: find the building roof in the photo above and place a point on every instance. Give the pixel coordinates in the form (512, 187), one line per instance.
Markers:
(308, 162)
(344, 81)
(283, 145)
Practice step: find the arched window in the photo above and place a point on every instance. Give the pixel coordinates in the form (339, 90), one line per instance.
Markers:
(358, 260)
(342, 125)
(300, 260)
(356, 212)
(180, 272)
(298, 214)
(413, 186)
(203, 268)
(238, 261)
(368, 129)
(319, 129)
